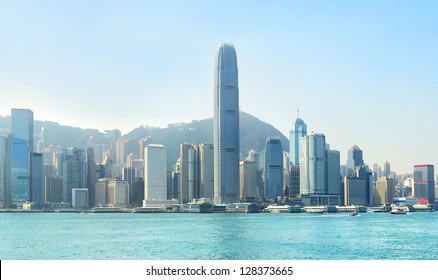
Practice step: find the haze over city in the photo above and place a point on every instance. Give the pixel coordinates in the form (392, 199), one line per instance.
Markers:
(361, 72)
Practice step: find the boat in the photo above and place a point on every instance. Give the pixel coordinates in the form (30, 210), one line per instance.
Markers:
(354, 214)
(398, 211)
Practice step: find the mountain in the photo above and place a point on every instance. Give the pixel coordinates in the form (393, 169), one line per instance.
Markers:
(253, 134)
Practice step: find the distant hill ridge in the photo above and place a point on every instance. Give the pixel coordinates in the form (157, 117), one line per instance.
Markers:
(253, 134)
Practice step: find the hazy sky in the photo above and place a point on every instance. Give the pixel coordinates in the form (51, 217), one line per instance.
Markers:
(361, 72)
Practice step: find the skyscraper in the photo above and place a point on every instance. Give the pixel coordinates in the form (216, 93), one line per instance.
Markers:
(206, 170)
(384, 191)
(21, 155)
(155, 175)
(18, 180)
(299, 129)
(273, 175)
(226, 126)
(248, 181)
(189, 184)
(4, 195)
(74, 169)
(22, 125)
(424, 185)
(91, 176)
(355, 159)
(386, 169)
(320, 173)
(37, 193)
(313, 164)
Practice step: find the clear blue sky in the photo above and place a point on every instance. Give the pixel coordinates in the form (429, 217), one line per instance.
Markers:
(361, 72)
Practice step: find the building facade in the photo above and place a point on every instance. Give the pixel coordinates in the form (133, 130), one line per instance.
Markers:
(206, 170)
(384, 191)
(155, 166)
(273, 175)
(226, 126)
(248, 181)
(424, 183)
(355, 159)
(299, 129)
(313, 164)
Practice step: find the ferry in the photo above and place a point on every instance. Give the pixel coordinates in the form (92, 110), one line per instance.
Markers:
(278, 209)
(398, 211)
(421, 208)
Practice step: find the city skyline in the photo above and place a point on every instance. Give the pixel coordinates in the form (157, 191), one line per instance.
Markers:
(361, 73)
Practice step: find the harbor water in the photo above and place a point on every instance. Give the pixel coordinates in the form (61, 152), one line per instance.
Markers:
(218, 236)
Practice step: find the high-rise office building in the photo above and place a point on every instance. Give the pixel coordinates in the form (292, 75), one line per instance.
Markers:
(377, 171)
(155, 175)
(386, 169)
(355, 191)
(18, 175)
(73, 172)
(79, 198)
(320, 174)
(226, 126)
(273, 175)
(286, 169)
(3, 172)
(359, 187)
(101, 192)
(118, 193)
(333, 172)
(424, 184)
(91, 176)
(22, 125)
(37, 191)
(52, 189)
(189, 185)
(248, 181)
(294, 181)
(299, 129)
(20, 180)
(313, 164)
(355, 159)
(196, 172)
(384, 191)
(130, 146)
(206, 170)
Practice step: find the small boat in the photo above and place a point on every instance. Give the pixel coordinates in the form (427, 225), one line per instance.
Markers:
(354, 214)
(398, 211)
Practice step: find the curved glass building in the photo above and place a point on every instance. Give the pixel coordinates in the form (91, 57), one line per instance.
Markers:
(226, 126)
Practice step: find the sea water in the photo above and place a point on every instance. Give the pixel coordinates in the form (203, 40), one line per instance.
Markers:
(218, 236)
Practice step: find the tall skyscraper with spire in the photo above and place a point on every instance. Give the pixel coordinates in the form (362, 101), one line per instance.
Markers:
(226, 126)
(298, 130)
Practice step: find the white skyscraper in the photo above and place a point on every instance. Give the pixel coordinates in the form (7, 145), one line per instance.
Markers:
(155, 177)
(226, 126)
(313, 164)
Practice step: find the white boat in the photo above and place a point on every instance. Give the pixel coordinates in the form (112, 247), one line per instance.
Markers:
(398, 211)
